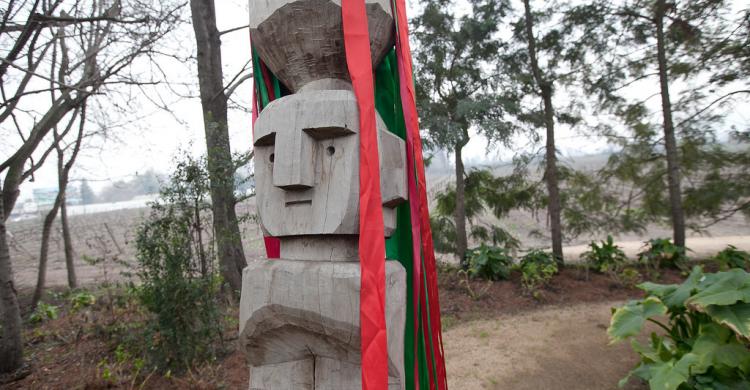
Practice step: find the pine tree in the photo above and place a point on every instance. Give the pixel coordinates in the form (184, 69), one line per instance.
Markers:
(456, 93)
(87, 193)
(667, 50)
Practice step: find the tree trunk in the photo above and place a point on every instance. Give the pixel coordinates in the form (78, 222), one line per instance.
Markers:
(550, 174)
(63, 173)
(41, 279)
(220, 166)
(11, 344)
(670, 141)
(68, 244)
(459, 215)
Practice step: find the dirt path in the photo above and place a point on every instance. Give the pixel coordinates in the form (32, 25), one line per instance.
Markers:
(552, 348)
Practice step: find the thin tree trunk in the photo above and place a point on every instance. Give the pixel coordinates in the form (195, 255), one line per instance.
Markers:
(550, 174)
(670, 141)
(63, 174)
(11, 343)
(68, 245)
(220, 166)
(41, 279)
(459, 216)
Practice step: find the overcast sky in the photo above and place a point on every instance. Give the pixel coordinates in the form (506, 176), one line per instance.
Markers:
(158, 136)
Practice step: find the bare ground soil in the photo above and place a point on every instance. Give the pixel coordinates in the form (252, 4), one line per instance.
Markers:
(559, 347)
(501, 339)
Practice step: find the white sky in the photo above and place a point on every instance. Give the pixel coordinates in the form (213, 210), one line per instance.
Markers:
(156, 139)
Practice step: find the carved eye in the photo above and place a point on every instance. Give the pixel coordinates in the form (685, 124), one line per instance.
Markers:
(270, 158)
(331, 150)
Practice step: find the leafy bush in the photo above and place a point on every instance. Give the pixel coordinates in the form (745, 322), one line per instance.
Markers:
(176, 265)
(628, 277)
(496, 235)
(706, 321)
(43, 312)
(443, 234)
(537, 269)
(661, 252)
(483, 192)
(606, 257)
(490, 262)
(82, 300)
(731, 257)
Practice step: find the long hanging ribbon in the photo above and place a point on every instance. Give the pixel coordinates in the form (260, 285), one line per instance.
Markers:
(408, 101)
(371, 232)
(413, 210)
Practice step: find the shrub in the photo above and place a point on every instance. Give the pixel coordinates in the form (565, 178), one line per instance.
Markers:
(705, 320)
(82, 300)
(731, 257)
(43, 312)
(628, 277)
(606, 257)
(661, 252)
(537, 269)
(176, 266)
(490, 262)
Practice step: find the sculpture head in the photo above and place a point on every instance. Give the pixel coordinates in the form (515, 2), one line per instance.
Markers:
(307, 166)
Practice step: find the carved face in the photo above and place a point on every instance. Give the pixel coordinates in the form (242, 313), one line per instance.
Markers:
(307, 165)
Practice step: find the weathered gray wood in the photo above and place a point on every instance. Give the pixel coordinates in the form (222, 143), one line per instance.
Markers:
(287, 36)
(299, 315)
(307, 165)
(296, 310)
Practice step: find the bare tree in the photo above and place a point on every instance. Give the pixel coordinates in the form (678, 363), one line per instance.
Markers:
(214, 97)
(98, 42)
(63, 169)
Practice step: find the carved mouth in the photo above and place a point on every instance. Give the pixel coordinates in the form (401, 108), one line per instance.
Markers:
(299, 202)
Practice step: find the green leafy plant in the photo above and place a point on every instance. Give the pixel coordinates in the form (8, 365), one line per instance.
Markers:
(81, 300)
(537, 269)
(731, 257)
(661, 252)
(490, 263)
(43, 313)
(628, 277)
(605, 257)
(706, 328)
(177, 267)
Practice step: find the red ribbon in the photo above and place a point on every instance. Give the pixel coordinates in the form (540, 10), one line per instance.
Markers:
(374, 343)
(408, 101)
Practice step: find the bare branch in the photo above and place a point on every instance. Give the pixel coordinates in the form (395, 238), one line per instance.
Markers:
(231, 30)
(717, 100)
(233, 87)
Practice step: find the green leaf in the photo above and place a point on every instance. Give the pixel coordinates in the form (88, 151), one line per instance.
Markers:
(670, 375)
(628, 320)
(678, 297)
(658, 290)
(736, 317)
(723, 288)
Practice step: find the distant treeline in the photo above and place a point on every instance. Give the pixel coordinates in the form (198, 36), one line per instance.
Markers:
(146, 183)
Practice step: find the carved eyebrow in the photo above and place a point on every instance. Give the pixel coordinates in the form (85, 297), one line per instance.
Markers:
(267, 139)
(327, 132)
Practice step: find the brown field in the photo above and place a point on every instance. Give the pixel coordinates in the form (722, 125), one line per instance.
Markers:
(503, 340)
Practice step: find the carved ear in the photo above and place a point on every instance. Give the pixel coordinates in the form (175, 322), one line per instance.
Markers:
(392, 153)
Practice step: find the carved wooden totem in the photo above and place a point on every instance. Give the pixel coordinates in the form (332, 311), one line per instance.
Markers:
(299, 315)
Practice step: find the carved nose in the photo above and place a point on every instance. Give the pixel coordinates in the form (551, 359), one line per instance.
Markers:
(293, 166)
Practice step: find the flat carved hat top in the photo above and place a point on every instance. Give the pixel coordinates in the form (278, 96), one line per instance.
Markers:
(303, 41)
